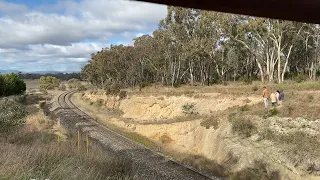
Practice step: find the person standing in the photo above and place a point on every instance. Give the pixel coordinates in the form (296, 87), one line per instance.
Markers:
(281, 96)
(278, 96)
(265, 97)
(273, 98)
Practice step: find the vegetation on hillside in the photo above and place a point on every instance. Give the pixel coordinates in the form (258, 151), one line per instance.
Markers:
(204, 47)
(30, 148)
(76, 84)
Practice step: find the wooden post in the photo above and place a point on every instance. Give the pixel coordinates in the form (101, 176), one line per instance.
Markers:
(58, 142)
(87, 143)
(78, 141)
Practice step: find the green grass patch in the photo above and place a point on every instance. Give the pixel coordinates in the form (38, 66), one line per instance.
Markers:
(140, 139)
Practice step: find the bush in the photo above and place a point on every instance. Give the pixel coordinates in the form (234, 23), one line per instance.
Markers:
(255, 88)
(99, 102)
(112, 89)
(271, 112)
(11, 115)
(76, 84)
(11, 84)
(81, 88)
(48, 83)
(188, 109)
(300, 78)
(122, 94)
(244, 108)
(62, 87)
(246, 80)
(258, 171)
(242, 126)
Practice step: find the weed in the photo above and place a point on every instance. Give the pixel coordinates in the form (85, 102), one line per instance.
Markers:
(259, 171)
(99, 102)
(300, 78)
(166, 139)
(122, 94)
(271, 112)
(255, 88)
(244, 108)
(62, 87)
(211, 121)
(188, 109)
(301, 147)
(140, 139)
(246, 80)
(81, 87)
(310, 98)
(242, 126)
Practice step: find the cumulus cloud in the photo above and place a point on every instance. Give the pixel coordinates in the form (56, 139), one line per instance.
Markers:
(69, 31)
(11, 9)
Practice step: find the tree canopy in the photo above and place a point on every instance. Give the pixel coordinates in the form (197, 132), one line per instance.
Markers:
(204, 47)
(48, 83)
(11, 84)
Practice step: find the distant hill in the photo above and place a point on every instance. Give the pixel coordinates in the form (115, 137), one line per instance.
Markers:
(6, 71)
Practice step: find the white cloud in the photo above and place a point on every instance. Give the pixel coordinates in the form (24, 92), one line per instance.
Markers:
(10, 8)
(58, 34)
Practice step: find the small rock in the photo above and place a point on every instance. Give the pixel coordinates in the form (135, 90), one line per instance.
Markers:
(255, 138)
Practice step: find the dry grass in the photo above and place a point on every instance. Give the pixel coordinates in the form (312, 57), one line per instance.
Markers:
(258, 171)
(236, 88)
(241, 125)
(31, 158)
(299, 145)
(33, 152)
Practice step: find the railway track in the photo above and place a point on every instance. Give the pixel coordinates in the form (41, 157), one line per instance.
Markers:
(147, 163)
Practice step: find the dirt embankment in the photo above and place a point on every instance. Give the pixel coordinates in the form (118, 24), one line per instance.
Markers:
(175, 124)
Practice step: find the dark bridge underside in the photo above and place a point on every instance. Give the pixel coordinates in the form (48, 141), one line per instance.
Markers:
(294, 10)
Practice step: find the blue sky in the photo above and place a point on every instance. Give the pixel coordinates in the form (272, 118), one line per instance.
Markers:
(60, 35)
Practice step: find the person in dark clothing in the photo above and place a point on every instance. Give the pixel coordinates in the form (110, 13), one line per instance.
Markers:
(281, 97)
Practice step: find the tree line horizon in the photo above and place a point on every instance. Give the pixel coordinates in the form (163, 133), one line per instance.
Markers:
(193, 46)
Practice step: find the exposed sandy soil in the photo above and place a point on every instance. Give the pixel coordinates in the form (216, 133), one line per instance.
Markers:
(155, 108)
(153, 116)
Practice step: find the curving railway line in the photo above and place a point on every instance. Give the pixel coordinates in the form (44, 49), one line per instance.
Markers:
(146, 163)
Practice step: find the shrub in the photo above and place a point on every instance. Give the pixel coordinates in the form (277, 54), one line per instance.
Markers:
(76, 84)
(11, 84)
(242, 126)
(122, 94)
(11, 115)
(48, 83)
(271, 112)
(258, 171)
(246, 80)
(188, 109)
(112, 89)
(20, 99)
(81, 88)
(244, 108)
(99, 102)
(300, 78)
(255, 88)
(62, 87)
